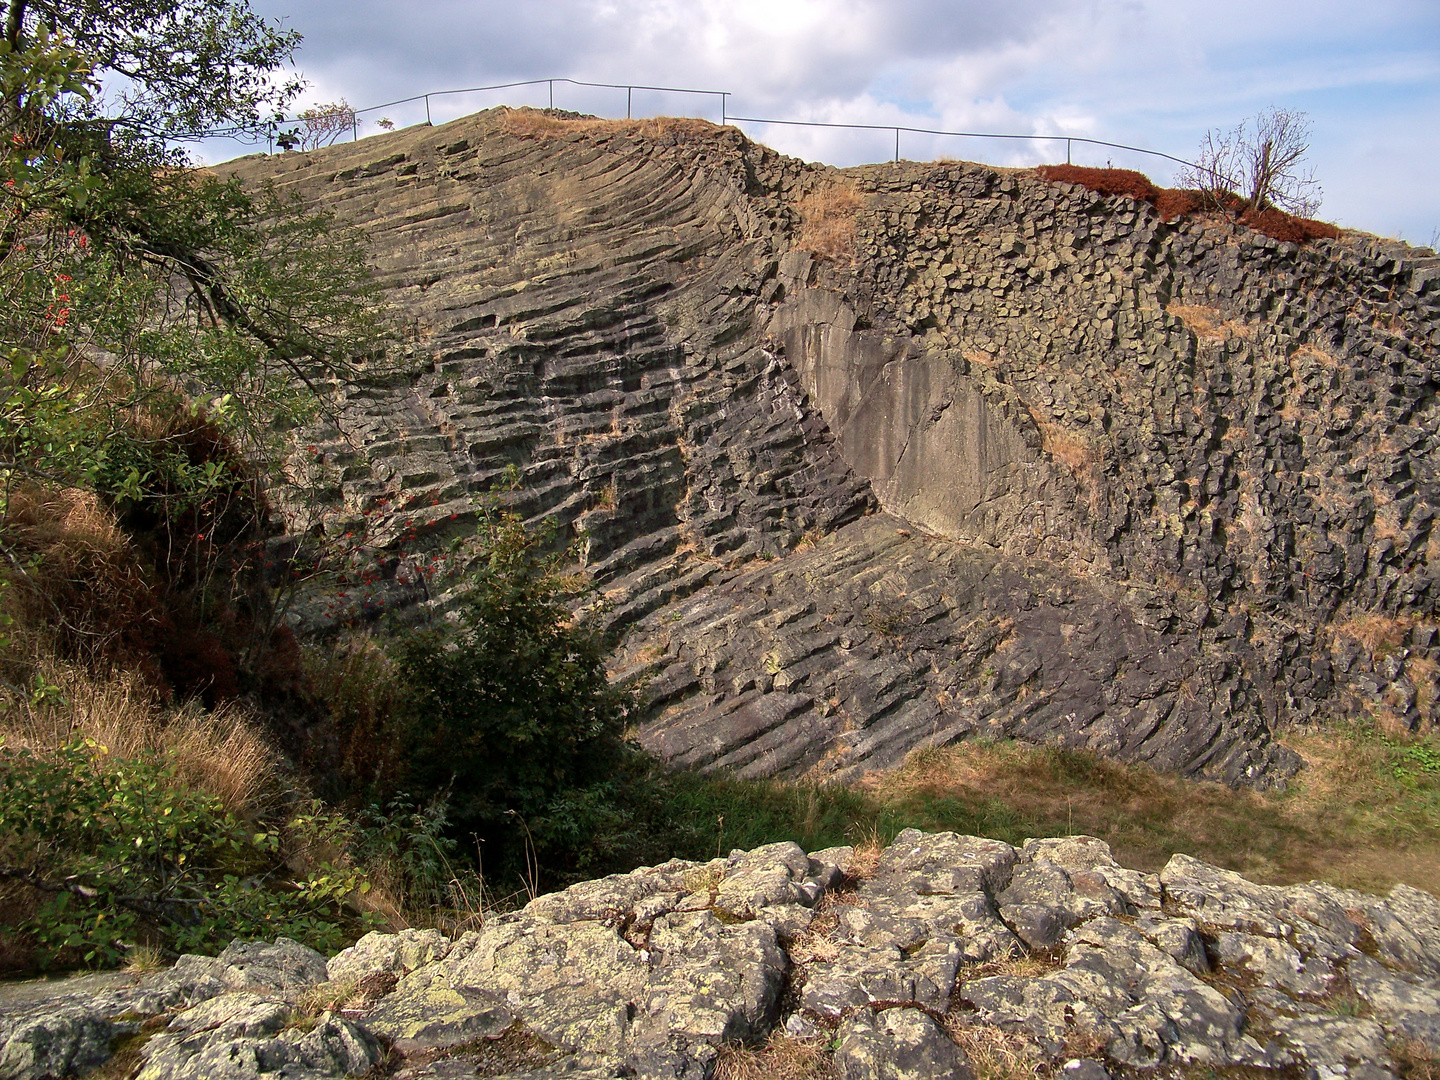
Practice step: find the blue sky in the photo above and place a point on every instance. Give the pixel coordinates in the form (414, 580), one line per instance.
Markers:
(1151, 73)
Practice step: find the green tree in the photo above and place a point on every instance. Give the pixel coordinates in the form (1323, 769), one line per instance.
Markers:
(179, 68)
(160, 327)
(511, 714)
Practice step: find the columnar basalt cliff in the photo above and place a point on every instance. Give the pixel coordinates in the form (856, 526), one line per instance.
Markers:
(941, 956)
(1014, 459)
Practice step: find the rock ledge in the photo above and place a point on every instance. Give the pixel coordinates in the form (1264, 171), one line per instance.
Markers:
(891, 965)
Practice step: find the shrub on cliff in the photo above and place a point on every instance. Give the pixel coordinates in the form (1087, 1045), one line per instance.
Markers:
(511, 714)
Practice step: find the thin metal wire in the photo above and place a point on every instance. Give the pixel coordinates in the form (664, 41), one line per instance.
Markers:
(963, 135)
(726, 118)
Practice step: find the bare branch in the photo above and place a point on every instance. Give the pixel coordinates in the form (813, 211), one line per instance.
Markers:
(1263, 158)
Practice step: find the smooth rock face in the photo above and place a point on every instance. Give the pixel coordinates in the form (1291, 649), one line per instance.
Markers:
(1159, 480)
(1097, 969)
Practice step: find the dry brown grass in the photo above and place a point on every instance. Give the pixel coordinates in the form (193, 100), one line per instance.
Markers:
(996, 1054)
(1378, 633)
(866, 857)
(1026, 966)
(1414, 1060)
(224, 753)
(827, 222)
(1208, 323)
(1067, 448)
(1317, 355)
(1425, 674)
(539, 124)
(1349, 817)
(80, 581)
(783, 1057)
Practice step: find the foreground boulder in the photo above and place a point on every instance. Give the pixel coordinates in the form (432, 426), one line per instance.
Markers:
(906, 963)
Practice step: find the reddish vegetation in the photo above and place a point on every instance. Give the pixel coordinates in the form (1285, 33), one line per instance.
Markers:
(1283, 226)
(1172, 203)
(1105, 181)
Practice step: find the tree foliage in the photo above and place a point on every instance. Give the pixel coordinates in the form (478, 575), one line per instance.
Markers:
(321, 125)
(178, 68)
(511, 715)
(160, 327)
(120, 850)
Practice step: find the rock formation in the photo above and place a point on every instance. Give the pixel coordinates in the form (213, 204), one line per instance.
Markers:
(1151, 489)
(907, 966)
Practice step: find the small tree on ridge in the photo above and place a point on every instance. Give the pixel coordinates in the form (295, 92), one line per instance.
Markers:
(1261, 162)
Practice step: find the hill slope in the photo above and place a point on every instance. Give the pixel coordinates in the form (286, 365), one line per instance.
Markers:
(1147, 488)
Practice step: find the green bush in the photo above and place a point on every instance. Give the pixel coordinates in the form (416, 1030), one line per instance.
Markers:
(510, 717)
(124, 853)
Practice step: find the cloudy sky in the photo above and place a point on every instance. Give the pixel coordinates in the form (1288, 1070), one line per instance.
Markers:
(1149, 73)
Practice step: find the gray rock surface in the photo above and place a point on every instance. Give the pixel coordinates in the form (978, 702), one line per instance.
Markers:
(661, 972)
(1156, 487)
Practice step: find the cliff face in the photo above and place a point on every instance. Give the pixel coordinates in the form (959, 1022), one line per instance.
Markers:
(1148, 488)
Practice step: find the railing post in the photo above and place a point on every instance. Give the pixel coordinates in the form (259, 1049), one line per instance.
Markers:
(354, 128)
(723, 96)
(552, 93)
(1067, 151)
(897, 144)
(628, 91)
(428, 121)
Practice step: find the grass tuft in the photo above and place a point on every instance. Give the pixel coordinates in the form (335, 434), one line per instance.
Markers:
(996, 1054)
(827, 222)
(782, 1057)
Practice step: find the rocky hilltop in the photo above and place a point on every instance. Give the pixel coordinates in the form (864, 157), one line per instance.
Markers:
(940, 956)
(885, 457)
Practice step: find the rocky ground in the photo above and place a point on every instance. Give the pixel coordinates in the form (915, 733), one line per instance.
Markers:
(915, 962)
(1208, 453)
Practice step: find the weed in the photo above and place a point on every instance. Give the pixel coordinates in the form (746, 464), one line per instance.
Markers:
(144, 959)
(541, 124)
(1347, 818)
(887, 616)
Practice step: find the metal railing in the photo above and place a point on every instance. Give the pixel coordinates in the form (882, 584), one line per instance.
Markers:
(629, 89)
(898, 128)
(726, 118)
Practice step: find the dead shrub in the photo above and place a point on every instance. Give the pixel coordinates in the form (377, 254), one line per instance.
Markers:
(865, 856)
(1279, 225)
(1317, 354)
(1414, 1061)
(827, 222)
(1028, 965)
(77, 584)
(1207, 323)
(1135, 185)
(1066, 447)
(1174, 203)
(1379, 634)
(167, 584)
(783, 1057)
(1203, 322)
